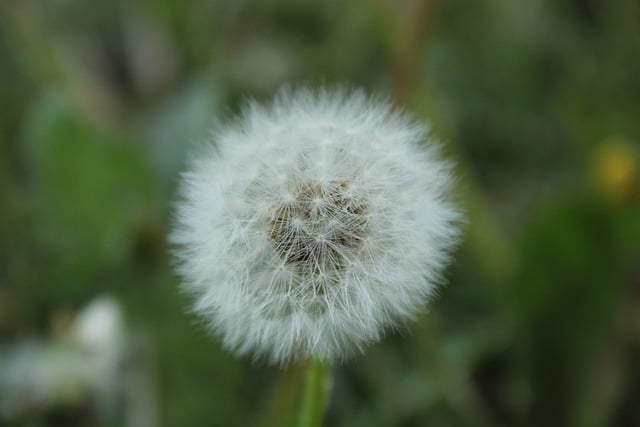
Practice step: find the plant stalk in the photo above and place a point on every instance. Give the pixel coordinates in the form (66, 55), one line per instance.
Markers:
(316, 394)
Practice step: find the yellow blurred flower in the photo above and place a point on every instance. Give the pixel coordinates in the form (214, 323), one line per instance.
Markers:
(615, 169)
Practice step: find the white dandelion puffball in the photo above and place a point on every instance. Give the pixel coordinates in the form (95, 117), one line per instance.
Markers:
(313, 224)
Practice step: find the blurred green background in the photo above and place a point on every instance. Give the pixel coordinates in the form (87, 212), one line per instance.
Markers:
(538, 101)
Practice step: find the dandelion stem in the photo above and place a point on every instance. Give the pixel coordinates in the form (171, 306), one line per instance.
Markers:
(316, 393)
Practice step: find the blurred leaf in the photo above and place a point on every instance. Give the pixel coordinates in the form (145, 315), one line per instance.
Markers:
(565, 294)
(90, 190)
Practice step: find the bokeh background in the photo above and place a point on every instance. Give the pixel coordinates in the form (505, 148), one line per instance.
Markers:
(538, 102)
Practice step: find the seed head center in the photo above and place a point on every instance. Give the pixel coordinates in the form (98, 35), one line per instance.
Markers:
(320, 228)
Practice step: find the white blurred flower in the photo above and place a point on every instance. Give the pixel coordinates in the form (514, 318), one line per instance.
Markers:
(36, 375)
(99, 326)
(68, 369)
(314, 224)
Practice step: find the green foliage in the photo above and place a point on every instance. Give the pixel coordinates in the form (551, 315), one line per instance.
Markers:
(90, 191)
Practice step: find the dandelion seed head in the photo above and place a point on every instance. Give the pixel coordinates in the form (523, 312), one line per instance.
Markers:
(317, 223)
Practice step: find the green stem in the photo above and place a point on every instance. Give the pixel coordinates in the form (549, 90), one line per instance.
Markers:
(315, 396)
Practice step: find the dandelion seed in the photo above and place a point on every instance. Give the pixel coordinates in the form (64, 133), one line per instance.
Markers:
(318, 222)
